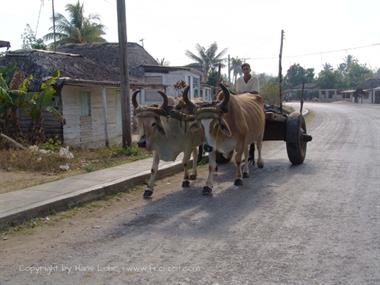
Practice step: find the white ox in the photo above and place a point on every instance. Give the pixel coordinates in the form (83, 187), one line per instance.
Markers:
(167, 133)
(233, 123)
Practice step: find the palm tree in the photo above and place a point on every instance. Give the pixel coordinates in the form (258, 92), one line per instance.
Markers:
(162, 61)
(207, 58)
(76, 28)
(236, 67)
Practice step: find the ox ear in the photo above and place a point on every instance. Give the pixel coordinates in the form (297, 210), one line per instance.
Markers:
(224, 128)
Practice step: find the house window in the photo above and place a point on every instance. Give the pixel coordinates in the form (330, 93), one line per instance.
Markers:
(85, 104)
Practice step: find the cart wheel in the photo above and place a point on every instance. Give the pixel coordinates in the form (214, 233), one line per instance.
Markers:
(296, 138)
(221, 159)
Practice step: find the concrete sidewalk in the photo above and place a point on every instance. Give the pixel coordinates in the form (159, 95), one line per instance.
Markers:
(19, 206)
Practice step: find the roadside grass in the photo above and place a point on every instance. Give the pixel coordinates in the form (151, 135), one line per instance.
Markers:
(84, 159)
(54, 217)
(47, 167)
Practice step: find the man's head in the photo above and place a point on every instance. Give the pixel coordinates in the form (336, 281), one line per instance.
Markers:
(246, 68)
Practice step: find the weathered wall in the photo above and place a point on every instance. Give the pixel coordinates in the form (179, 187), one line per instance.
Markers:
(88, 131)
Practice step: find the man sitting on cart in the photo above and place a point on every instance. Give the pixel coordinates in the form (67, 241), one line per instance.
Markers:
(244, 84)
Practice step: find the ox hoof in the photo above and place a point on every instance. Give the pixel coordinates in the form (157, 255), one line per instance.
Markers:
(207, 191)
(148, 193)
(185, 183)
(245, 175)
(238, 182)
(260, 165)
(193, 177)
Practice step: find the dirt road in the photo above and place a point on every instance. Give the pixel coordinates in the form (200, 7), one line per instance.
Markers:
(318, 223)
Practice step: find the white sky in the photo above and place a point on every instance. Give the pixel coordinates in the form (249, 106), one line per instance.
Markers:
(247, 28)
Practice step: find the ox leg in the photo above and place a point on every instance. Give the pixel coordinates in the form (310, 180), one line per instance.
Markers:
(149, 188)
(246, 163)
(193, 175)
(207, 190)
(239, 152)
(185, 160)
(260, 162)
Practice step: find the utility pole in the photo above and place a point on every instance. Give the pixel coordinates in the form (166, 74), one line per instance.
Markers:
(52, 6)
(280, 69)
(124, 81)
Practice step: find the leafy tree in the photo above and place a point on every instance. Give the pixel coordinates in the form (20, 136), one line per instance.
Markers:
(270, 91)
(357, 74)
(76, 28)
(13, 90)
(39, 101)
(208, 58)
(328, 78)
(29, 40)
(353, 73)
(296, 75)
(309, 75)
(377, 73)
(15, 95)
(236, 67)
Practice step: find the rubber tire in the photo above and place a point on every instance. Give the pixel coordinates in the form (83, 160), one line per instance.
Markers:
(295, 146)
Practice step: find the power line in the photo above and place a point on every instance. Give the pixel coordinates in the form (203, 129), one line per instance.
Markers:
(320, 52)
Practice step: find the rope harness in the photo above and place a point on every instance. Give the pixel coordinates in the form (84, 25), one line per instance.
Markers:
(157, 112)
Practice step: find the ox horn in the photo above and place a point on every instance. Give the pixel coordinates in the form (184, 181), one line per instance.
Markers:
(223, 105)
(165, 98)
(134, 101)
(185, 97)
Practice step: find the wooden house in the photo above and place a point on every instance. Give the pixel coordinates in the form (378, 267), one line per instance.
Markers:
(88, 91)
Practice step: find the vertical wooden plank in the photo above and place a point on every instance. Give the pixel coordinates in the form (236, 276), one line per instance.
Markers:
(104, 107)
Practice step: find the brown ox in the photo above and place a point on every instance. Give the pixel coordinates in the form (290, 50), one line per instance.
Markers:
(167, 132)
(233, 123)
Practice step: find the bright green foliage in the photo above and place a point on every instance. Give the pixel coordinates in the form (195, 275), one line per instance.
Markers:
(38, 102)
(15, 95)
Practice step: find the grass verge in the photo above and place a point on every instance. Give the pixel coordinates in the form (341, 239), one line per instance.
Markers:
(55, 217)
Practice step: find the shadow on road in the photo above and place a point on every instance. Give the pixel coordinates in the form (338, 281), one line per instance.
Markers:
(187, 213)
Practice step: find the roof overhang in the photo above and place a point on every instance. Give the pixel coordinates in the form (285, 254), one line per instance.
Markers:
(116, 84)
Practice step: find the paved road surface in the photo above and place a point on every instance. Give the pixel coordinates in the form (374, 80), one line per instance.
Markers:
(318, 223)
